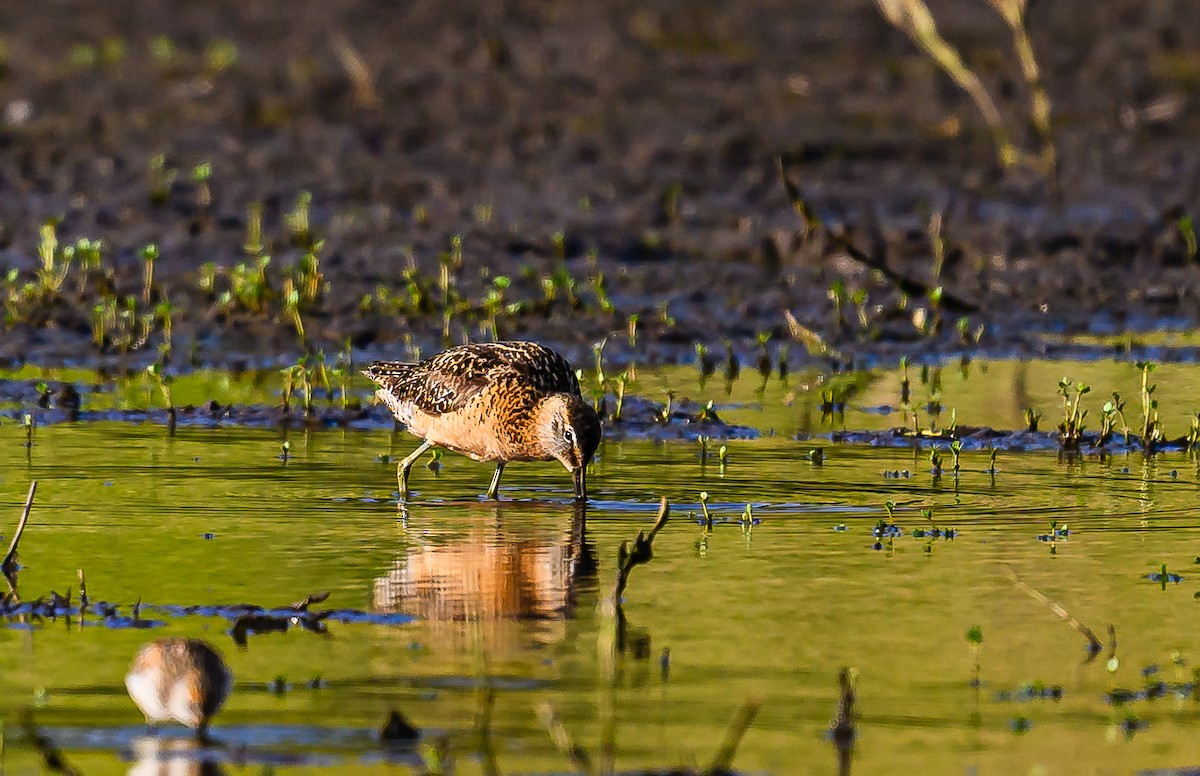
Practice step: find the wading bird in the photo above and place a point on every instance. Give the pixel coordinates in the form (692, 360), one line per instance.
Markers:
(494, 401)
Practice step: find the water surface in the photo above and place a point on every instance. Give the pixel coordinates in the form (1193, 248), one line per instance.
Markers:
(469, 594)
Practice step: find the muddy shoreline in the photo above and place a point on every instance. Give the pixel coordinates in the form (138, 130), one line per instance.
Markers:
(607, 165)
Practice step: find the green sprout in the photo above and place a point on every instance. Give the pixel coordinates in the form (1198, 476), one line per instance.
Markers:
(1152, 431)
(598, 354)
(601, 292)
(164, 312)
(1071, 428)
(621, 381)
(254, 239)
(1187, 228)
(207, 281)
(51, 271)
(161, 179)
(201, 175)
(837, 294)
(163, 382)
(149, 254)
(220, 55)
(664, 415)
(297, 220)
(1112, 409)
(163, 50)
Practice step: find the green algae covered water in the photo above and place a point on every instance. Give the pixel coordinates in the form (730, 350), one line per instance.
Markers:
(454, 598)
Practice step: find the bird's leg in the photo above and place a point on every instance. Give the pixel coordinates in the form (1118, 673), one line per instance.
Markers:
(494, 488)
(406, 464)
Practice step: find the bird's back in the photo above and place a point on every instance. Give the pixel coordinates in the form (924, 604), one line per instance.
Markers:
(448, 381)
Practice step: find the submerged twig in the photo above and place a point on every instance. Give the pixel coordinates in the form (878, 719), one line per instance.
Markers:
(1094, 645)
(6, 565)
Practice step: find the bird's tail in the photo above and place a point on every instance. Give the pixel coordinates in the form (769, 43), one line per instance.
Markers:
(388, 371)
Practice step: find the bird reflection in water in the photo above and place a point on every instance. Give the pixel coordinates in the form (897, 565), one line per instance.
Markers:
(506, 567)
(162, 756)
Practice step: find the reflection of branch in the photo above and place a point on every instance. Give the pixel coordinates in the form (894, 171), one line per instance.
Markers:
(733, 736)
(563, 740)
(627, 560)
(6, 565)
(1094, 645)
(842, 730)
(483, 725)
(612, 643)
(52, 757)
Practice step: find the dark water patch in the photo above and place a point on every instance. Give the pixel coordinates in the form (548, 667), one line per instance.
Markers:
(246, 618)
(644, 418)
(250, 619)
(42, 612)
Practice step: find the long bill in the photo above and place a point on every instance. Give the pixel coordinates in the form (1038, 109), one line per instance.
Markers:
(580, 477)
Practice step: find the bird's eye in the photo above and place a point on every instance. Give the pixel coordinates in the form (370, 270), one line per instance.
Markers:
(569, 435)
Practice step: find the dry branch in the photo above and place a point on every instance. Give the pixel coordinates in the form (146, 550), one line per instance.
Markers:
(6, 565)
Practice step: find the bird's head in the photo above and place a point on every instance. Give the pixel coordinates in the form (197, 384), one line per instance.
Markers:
(569, 431)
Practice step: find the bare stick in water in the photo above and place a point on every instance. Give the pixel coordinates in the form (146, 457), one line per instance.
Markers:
(642, 551)
(6, 564)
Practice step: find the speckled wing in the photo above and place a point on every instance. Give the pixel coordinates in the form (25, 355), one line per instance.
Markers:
(450, 379)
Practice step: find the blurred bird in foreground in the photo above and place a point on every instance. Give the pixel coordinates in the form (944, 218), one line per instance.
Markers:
(181, 680)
